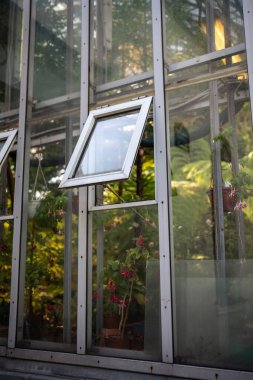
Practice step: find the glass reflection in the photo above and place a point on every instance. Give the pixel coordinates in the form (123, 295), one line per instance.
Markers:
(47, 302)
(189, 26)
(121, 43)
(108, 145)
(10, 53)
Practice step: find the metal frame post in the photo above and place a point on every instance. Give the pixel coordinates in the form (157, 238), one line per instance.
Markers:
(162, 183)
(19, 178)
(248, 22)
(83, 202)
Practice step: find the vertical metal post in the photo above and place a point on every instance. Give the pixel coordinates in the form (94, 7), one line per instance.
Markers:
(83, 204)
(19, 178)
(216, 153)
(68, 216)
(162, 182)
(248, 22)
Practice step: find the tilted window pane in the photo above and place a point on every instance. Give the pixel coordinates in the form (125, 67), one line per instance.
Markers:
(108, 145)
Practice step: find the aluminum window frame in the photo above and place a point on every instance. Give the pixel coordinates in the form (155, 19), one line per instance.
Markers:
(9, 138)
(69, 179)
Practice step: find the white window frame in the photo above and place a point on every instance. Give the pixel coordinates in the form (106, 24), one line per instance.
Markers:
(9, 138)
(69, 180)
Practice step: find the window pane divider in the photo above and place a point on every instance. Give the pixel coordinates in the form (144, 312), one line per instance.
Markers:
(123, 205)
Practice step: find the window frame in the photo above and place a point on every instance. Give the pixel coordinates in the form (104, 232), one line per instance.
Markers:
(9, 138)
(68, 179)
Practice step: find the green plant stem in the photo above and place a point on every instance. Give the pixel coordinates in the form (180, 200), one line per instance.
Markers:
(126, 313)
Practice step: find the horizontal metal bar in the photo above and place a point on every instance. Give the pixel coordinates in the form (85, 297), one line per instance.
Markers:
(123, 205)
(206, 77)
(7, 114)
(6, 217)
(206, 58)
(124, 82)
(51, 358)
(58, 100)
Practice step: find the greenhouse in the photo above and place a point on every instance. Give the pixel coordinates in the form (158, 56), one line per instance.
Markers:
(126, 192)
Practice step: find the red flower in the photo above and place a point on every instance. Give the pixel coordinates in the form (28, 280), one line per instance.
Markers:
(111, 286)
(122, 303)
(2, 246)
(114, 299)
(140, 241)
(95, 295)
(127, 273)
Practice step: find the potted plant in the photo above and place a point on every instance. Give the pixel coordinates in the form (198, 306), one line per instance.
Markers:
(122, 284)
(229, 196)
(235, 192)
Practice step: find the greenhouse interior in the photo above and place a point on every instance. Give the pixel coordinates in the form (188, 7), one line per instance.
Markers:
(126, 192)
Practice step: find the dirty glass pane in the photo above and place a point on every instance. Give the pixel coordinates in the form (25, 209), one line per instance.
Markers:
(125, 283)
(213, 240)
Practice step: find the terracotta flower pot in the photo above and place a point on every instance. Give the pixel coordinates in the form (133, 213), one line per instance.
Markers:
(117, 342)
(229, 196)
(111, 321)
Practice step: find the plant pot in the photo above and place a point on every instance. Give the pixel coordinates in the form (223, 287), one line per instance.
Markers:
(111, 321)
(229, 197)
(117, 342)
(32, 207)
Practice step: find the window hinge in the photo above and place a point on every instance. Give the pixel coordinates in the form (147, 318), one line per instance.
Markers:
(139, 97)
(99, 108)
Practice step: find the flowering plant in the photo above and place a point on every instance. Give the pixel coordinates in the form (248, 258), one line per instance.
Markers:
(123, 282)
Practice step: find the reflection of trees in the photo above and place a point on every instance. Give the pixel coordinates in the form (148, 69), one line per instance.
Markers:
(122, 51)
(186, 26)
(191, 177)
(50, 63)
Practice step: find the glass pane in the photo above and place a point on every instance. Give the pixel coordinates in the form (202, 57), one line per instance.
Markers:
(6, 233)
(125, 289)
(108, 145)
(141, 183)
(187, 31)
(201, 72)
(7, 184)
(213, 285)
(2, 142)
(57, 49)
(121, 42)
(10, 54)
(47, 301)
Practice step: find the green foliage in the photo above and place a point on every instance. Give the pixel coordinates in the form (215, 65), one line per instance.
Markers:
(51, 210)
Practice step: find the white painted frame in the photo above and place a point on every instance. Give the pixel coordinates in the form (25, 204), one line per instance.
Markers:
(69, 179)
(9, 138)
